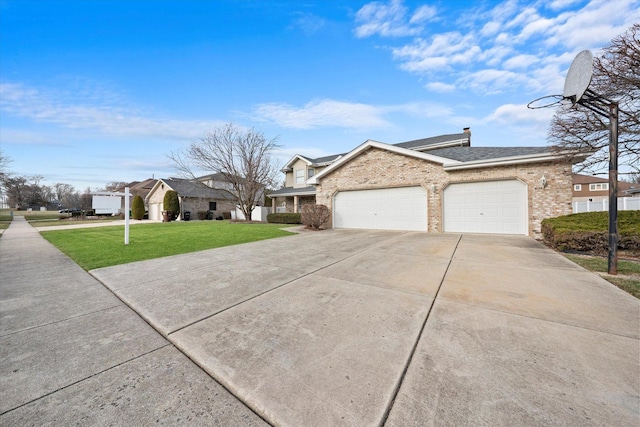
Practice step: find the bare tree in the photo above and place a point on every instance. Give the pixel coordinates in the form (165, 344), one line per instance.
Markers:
(243, 157)
(62, 192)
(616, 76)
(115, 185)
(4, 163)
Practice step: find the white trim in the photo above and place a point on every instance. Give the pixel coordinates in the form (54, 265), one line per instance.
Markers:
(456, 143)
(375, 144)
(305, 193)
(287, 166)
(159, 182)
(604, 186)
(502, 161)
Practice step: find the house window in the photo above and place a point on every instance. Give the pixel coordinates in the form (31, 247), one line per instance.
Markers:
(599, 187)
(577, 187)
(212, 206)
(299, 176)
(310, 172)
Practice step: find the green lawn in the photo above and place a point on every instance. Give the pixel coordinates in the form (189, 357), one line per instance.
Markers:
(104, 246)
(5, 220)
(629, 269)
(67, 221)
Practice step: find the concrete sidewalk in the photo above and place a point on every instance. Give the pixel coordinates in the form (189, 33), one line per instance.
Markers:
(340, 327)
(73, 353)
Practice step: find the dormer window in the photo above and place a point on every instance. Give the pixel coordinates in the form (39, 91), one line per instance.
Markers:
(310, 172)
(299, 176)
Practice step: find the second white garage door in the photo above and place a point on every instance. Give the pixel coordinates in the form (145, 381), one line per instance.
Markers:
(402, 208)
(486, 207)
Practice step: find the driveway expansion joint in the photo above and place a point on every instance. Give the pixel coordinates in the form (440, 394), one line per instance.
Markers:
(417, 340)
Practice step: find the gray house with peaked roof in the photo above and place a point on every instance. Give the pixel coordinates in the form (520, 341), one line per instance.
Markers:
(438, 184)
(194, 196)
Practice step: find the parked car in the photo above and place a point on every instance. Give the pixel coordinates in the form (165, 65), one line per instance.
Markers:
(70, 210)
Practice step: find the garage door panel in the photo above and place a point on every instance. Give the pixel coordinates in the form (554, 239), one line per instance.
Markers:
(498, 207)
(388, 209)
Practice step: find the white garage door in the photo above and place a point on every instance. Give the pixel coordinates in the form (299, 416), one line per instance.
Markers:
(382, 209)
(486, 207)
(155, 211)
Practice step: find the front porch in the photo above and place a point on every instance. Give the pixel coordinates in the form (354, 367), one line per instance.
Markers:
(291, 199)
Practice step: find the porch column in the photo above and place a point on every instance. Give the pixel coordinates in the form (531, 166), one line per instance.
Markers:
(273, 205)
(295, 204)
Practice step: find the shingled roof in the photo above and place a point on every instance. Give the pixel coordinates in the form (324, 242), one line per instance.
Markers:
(464, 139)
(470, 154)
(190, 188)
(293, 191)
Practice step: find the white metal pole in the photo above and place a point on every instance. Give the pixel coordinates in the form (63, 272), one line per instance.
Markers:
(126, 215)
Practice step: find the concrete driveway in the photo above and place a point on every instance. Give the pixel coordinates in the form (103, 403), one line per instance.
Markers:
(346, 327)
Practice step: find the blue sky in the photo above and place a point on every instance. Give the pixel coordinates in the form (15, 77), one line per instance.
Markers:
(100, 91)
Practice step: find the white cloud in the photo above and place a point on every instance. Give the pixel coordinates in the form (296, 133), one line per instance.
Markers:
(595, 24)
(422, 14)
(514, 46)
(493, 81)
(391, 19)
(561, 4)
(440, 87)
(308, 23)
(440, 52)
(323, 113)
(520, 61)
(329, 113)
(42, 107)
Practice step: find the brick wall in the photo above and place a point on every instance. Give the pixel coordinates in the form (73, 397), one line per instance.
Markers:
(378, 168)
(196, 204)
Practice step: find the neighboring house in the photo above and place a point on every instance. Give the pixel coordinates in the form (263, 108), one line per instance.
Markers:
(138, 188)
(193, 195)
(218, 180)
(434, 184)
(588, 188)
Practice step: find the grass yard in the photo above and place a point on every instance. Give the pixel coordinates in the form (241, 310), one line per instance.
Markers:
(5, 220)
(68, 221)
(104, 246)
(629, 270)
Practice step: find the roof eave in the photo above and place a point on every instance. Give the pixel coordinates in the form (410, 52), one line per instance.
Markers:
(306, 193)
(456, 143)
(505, 161)
(288, 166)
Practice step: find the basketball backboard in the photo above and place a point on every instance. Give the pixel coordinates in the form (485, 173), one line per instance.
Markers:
(578, 76)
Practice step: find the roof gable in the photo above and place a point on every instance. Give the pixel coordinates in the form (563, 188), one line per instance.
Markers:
(290, 163)
(192, 188)
(380, 145)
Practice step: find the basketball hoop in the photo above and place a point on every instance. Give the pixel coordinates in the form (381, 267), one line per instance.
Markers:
(576, 92)
(547, 101)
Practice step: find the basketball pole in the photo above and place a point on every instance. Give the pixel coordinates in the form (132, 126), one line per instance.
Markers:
(613, 189)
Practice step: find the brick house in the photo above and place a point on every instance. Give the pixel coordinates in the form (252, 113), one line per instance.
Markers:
(438, 184)
(193, 195)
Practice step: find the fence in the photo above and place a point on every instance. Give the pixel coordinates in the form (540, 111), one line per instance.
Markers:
(624, 204)
(259, 213)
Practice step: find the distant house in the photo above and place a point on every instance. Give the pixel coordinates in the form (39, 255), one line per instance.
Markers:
(194, 196)
(587, 188)
(138, 188)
